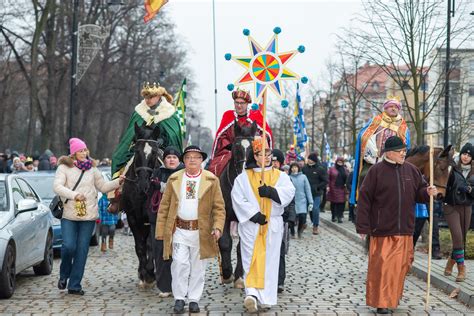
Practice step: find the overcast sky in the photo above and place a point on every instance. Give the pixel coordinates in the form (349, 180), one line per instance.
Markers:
(310, 23)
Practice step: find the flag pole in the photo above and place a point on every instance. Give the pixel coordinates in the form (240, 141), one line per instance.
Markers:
(430, 238)
(215, 63)
(264, 144)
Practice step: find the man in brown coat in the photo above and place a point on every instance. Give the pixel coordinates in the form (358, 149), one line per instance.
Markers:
(386, 213)
(190, 221)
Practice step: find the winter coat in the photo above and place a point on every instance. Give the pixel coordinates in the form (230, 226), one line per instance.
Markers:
(335, 194)
(44, 163)
(92, 180)
(387, 199)
(211, 213)
(317, 177)
(454, 196)
(303, 196)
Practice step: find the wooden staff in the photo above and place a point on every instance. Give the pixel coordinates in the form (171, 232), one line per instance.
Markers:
(430, 242)
(264, 144)
(219, 260)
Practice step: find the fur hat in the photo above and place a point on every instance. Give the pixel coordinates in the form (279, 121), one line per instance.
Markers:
(313, 156)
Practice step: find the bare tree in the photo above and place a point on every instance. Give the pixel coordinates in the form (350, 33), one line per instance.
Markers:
(401, 37)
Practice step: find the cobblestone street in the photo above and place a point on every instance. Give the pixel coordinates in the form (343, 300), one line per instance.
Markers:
(325, 276)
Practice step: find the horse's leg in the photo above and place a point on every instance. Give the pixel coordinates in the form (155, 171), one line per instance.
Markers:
(150, 262)
(139, 235)
(225, 246)
(239, 269)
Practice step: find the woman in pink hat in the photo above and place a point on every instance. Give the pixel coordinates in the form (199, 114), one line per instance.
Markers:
(76, 182)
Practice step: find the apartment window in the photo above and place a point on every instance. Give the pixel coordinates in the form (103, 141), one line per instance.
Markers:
(471, 66)
(471, 90)
(375, 86)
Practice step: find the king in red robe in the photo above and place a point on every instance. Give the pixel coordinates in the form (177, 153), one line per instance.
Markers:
(222, 147)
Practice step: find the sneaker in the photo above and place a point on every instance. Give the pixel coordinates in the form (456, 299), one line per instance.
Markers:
(179, 307)
(194, 307)
(165, 294)
(239, 284)
(62, 284)
(250, 304)
(76, 292)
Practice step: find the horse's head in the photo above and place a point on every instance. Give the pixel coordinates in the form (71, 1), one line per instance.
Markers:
(242, 144)
(148, 154)
(442, 161)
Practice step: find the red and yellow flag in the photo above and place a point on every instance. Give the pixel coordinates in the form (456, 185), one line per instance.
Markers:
(152, 7)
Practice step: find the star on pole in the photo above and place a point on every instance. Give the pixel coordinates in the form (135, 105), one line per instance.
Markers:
(266, 67)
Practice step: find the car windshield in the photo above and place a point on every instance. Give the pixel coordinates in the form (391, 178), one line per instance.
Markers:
(3, 197)
(43, 186)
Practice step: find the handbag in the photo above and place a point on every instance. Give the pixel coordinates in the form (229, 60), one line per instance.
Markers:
(57, 206)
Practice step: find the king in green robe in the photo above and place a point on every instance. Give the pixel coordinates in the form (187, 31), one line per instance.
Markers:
(163, 115)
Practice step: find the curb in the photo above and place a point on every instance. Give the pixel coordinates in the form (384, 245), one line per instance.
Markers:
(465, 296)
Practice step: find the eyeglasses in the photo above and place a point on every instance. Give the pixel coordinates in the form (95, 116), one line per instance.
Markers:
(192, 157)
(240, 103)
(402, 151)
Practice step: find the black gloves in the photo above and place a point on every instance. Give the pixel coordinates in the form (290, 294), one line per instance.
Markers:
(258, 218)
(465, 189)
(266, 191)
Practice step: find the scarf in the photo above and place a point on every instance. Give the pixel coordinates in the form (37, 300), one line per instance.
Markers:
(341, 176)
(465, 169)
(83, 165)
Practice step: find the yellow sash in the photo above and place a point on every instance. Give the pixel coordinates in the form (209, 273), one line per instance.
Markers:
(256, 276)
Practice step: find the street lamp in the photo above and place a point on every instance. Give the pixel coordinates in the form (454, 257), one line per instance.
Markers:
(451, 10)
(113, 4)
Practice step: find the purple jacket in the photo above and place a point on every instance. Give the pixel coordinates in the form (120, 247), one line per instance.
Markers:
(335, 194)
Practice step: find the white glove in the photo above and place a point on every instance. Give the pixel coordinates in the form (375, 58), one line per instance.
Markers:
(310, 208)
(162, 187)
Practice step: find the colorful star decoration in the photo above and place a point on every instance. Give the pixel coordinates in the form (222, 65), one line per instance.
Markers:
(266, 67)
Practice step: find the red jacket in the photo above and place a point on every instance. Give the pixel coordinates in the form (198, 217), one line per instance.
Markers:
(335, 194)
(387, 198)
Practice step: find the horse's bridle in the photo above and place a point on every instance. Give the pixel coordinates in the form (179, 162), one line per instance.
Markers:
(148, 169)
(236, 163)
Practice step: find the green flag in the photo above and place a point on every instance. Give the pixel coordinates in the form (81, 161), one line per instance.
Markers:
(181, 107)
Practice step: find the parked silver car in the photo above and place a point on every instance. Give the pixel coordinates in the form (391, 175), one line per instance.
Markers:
(26, 233)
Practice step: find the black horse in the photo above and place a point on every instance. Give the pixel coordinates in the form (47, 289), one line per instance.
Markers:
(147, 157)
(240, 149)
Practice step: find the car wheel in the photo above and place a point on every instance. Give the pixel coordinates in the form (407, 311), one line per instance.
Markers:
(8, 275)
(46, 266)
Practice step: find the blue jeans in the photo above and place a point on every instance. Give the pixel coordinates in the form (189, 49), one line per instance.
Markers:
(315, 217)
(74, 250)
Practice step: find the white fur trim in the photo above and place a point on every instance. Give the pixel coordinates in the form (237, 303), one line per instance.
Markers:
(165, 110)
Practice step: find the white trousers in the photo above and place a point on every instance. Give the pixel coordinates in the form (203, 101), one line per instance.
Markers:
(187, 272)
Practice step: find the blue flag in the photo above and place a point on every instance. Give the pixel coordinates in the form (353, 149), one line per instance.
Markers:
(299, 128)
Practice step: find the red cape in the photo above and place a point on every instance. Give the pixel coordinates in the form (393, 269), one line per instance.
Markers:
(228, 119)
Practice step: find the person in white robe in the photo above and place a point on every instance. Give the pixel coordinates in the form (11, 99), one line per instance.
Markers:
(259, 207)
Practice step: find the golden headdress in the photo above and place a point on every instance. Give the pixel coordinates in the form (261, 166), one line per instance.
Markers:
(153, 90)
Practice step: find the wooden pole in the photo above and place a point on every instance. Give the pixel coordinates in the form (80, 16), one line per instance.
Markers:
(430, 237)
(264, 136)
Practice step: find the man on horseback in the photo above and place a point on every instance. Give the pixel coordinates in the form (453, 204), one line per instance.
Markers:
(221, 149)
(154, 110)
(371, 141)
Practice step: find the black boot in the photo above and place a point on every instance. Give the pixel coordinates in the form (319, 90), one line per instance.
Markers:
(382, 311)
(62, 284)
(194, 307)
(179, 307)
(436, 254)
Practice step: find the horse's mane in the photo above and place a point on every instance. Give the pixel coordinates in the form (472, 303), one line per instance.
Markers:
(418, 150)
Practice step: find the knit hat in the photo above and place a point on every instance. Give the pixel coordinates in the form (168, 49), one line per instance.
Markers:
(170, 150)
(467, 149)
(393, 143)
(278, 156)
(392, 102)
(75, 145)
(313, 156)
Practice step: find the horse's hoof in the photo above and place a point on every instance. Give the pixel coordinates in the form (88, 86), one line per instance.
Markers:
(141, 285)
(239, 284)
(228, 280)
(149, 285)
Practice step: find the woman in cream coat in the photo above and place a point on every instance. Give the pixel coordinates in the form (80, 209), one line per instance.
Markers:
(80, 211)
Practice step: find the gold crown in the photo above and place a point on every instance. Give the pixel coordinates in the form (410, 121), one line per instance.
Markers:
(152, 89)
(393, 97)
(257, 144)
